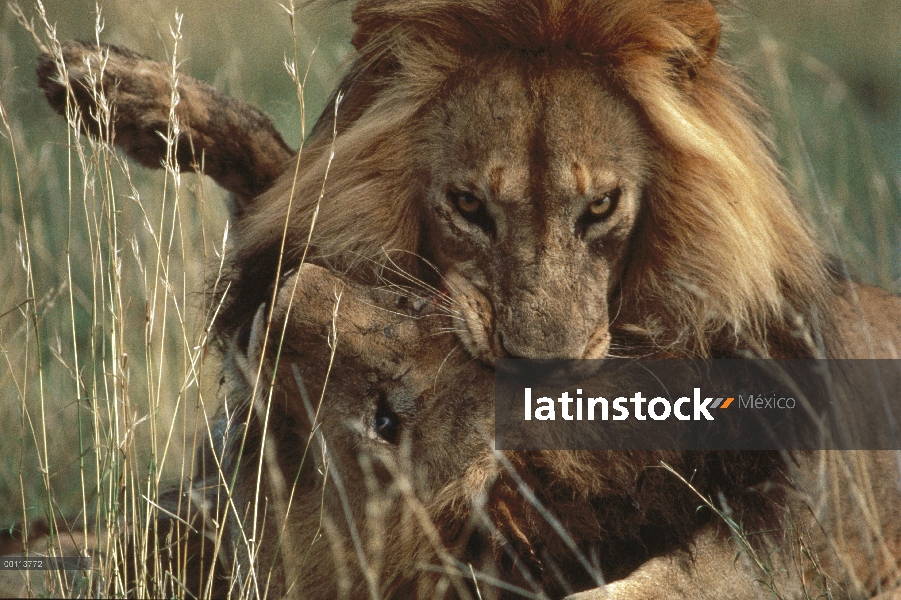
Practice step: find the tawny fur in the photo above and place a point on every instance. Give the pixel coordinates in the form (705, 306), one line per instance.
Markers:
(231, 141)
(690, 286)
(359, 514)
(720, 260)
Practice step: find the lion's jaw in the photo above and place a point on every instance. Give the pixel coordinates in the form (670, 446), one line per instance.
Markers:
(519, 163)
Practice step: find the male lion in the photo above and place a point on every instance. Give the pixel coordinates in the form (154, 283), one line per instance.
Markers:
(588, 179)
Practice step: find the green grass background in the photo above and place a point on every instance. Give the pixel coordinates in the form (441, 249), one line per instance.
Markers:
(104, 365)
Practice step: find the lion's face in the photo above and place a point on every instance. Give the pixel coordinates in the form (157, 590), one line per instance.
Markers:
(535, 174)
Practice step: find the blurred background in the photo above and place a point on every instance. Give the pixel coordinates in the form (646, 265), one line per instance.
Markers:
(102, 333)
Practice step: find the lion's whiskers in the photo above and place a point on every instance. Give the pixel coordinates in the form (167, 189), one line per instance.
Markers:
(418, 288)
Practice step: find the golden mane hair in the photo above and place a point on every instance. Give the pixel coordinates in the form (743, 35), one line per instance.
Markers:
(720, 256)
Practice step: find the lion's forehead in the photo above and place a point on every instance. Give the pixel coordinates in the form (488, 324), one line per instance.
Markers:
(519, 139)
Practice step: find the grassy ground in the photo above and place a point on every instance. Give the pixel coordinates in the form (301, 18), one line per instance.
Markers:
(103, 356)
(104, 328)
(105, 323)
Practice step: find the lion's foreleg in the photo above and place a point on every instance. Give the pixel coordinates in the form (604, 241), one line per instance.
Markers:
(715, 567)
(127, 98)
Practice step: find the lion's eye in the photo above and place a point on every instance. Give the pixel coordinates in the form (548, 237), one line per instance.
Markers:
(386, 422)
(473, 210)
(598, 210)
(604, 206)
(386, 427)
(467, 203)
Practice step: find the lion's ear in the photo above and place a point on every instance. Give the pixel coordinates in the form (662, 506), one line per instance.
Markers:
(698, 20)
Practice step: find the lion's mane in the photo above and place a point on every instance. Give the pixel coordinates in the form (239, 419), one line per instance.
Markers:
(721, 261)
